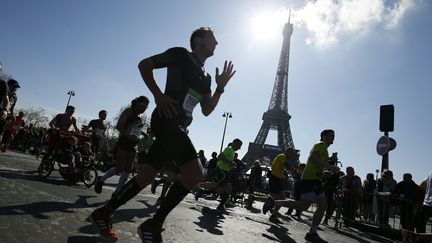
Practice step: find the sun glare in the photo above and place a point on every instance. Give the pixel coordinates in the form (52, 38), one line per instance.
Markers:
(267, 26)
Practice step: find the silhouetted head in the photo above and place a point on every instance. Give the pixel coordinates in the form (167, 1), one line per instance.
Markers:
(70, 110)
(327, 136)
(103, 114)
(140, 104)
(202, 40)
(236, 144)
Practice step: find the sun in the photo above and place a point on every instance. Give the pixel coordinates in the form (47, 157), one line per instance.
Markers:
(267, 26)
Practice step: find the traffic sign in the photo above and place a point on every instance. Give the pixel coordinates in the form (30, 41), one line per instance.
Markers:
(383, 145)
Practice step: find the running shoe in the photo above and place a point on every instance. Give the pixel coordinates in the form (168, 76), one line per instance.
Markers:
(268, 205)
(150, 231)
(4, 149)
(98, 185)
(102, 221)
(314, 238)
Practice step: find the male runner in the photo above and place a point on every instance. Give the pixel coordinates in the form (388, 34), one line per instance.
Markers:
(277, 177)
(97, 128)
(187, 85)
(311, 185)
(223, 175)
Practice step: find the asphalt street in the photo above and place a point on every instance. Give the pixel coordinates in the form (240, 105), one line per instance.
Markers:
(51, 210)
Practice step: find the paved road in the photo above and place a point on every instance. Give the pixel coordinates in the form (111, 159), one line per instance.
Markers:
(50, 210)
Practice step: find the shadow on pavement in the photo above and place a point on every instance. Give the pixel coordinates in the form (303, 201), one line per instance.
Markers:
(254, 210)
(278, 233)
(39, 209)
(33, 176)
(209, 220)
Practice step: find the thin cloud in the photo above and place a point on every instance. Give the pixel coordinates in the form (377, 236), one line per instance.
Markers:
(327, 20)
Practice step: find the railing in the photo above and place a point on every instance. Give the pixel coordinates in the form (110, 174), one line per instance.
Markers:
(380, 209)
(376, 209)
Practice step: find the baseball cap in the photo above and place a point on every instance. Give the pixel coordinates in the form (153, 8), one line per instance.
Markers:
(14, 83)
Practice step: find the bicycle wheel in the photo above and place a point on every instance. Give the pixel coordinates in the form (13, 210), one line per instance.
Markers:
(89, 176)
(46, 166)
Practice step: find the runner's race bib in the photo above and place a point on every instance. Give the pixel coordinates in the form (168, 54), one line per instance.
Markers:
(191, 100)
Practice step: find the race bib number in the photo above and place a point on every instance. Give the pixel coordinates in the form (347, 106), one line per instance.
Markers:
(191, 100)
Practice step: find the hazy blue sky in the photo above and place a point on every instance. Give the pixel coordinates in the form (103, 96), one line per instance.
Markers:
(347, 58)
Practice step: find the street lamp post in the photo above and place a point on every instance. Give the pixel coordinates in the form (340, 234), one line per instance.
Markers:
(70, 93)
(226, 115)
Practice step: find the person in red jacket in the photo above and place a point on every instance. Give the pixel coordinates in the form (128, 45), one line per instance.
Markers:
(13, 127)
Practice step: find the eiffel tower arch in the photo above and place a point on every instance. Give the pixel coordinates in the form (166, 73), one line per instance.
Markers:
(276, 117)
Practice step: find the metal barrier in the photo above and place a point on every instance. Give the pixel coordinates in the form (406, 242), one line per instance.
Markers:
(380, 209)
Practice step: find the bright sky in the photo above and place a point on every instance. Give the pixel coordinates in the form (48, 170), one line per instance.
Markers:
(347, 58)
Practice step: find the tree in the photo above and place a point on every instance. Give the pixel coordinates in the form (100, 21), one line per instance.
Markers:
(36, 116)
(82, 121)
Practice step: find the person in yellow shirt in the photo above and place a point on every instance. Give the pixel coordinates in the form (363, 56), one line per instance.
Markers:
(311, 185)
(277, 177)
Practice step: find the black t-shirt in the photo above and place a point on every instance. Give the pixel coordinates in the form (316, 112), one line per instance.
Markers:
(212, 163)
(187, 81)
(98, 127)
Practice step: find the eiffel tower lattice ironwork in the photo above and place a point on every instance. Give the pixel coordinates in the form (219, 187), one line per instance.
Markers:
(276, 117)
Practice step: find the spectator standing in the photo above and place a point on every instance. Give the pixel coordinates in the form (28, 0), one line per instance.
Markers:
(211, 166)
(202, 158)
(255, 178)
(331, 182)
(351, 185)
(386, 189)
(368, 190)
(407, 191)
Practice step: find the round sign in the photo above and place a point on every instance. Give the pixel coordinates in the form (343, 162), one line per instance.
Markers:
(383, 145)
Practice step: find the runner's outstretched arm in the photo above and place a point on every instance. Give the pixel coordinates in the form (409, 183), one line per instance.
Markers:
(209, 103)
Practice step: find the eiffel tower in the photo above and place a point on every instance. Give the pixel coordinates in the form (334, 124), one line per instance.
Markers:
(276, 117)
